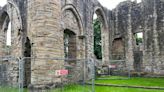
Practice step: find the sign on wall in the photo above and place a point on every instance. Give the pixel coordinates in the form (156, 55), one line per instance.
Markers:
(61, 72)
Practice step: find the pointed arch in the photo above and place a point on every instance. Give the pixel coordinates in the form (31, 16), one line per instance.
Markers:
(99, 11)
(77, 15)
(18, 12)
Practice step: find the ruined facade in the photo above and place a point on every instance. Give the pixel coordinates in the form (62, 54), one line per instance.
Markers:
(39, 27)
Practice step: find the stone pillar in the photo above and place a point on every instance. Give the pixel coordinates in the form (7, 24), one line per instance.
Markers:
(156, 51)
(44, 31)
(105, 45)
(2, 38)
(116, 21)
(129, 50)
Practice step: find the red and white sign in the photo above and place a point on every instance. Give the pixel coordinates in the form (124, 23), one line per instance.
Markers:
(112, 66)
(61, 72)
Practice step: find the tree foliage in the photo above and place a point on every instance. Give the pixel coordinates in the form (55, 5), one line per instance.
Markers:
(139, 40)
(97, 39)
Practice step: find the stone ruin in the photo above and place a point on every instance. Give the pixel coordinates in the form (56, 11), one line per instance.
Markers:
(39, 29)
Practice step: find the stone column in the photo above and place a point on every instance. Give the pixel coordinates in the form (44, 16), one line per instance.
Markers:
(105, 45)
(44, 31)
(156, 51)
(116, 21)
(129, 52)
(2, 38)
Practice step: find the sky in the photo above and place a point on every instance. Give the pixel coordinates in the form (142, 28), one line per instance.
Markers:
(110, 4)
(3, 2)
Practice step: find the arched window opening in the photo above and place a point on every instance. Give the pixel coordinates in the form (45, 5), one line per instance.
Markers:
(138, 51)
(139, 38)
(138, 41)
(70, 45)
(8, 35)
(97, 25)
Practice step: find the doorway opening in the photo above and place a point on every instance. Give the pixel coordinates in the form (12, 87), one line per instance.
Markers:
(27, 64)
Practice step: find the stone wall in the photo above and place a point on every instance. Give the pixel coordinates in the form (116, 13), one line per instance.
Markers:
(146, 17)
(10, 13)
(44, 31)
(40, 24)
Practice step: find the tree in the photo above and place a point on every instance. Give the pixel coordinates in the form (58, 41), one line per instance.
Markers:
(139, 40)
(97, 39)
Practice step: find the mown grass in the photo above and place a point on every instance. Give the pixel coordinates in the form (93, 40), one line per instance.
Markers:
(104, 89)
(77, 88)
(120, 89)
(10, 89)
(155, 82)
(134, 81)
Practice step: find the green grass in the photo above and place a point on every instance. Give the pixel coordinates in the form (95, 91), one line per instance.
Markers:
(8, 89)
(77, 88)
(120, 89)
(104, 89)
(153, 82)
(135, 81)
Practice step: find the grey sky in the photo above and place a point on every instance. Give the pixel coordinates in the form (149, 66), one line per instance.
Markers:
(110, 4)
(3, 2)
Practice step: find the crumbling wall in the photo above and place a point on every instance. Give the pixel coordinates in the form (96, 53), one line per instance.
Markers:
(10, 13)
(153, 26)
(42, 24)
(123, 29)
(146, 17)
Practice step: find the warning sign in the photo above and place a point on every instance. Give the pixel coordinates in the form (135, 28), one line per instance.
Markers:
(61, 72)
(112, 66)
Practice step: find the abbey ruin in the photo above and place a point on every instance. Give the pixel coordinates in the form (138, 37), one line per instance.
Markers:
(39, 27)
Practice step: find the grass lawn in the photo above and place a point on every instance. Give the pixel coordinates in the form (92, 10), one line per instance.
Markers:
(8, 89)
(105, 89)
(119, 89)
(135, 81)
(153, 82)
(77, 88)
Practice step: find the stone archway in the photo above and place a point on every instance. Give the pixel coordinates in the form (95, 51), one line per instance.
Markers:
(71, 20)
(72, 25)
(77, 17)
(10, 14)
(4, 22)
(104, 33)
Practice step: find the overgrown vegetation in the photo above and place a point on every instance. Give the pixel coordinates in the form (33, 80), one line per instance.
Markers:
(139, 40)
(97, 39)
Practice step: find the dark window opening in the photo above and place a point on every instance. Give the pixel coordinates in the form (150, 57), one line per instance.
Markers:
(118, 49)
(27, 65)
(70, 45)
